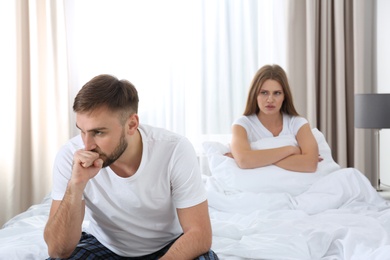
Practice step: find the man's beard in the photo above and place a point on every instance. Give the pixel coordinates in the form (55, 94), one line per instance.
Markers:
(119, 150)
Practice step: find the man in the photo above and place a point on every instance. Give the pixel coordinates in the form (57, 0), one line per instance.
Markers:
(138, 186)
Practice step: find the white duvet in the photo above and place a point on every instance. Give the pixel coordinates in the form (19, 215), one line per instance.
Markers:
(21, 238)
(265, 213)
(332, 214)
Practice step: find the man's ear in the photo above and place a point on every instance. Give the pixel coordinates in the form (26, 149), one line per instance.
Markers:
(132, 124)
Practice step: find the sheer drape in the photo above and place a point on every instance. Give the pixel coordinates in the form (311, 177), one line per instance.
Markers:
(8, 110)
(330, 57)
(238, 38)
(34, 101)
(192, 62)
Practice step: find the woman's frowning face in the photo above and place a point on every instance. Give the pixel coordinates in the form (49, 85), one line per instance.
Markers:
(270, 98)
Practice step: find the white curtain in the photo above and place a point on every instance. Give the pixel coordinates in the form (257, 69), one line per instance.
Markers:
(8, 108)
(238, 38)
(191, 61)
(33, 101)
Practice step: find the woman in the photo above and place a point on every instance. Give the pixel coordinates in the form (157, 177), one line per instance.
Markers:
(270, 113)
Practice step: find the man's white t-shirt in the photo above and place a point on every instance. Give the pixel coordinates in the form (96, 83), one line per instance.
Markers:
(256, 131)
(136, 216)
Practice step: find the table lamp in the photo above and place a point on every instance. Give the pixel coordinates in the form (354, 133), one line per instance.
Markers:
(372, 111)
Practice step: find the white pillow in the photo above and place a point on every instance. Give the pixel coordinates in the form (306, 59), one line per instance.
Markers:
(268, 179)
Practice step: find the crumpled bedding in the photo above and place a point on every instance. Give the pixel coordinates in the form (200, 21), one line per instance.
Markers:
(334, 215)
(341, 216)
(22, 236)
(272, 213)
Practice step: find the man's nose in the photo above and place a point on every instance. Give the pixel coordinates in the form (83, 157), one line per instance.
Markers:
(89, 142)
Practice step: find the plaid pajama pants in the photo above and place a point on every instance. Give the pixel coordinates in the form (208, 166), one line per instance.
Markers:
(90, 248)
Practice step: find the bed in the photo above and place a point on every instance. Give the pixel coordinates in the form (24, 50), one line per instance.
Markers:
(265, 213)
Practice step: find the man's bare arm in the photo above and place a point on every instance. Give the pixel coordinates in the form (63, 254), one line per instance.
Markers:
(197, 235)
(63, 228)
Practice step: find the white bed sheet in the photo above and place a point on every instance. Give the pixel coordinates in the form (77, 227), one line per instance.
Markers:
(271, 213)
(22, 237)
(340, 216)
